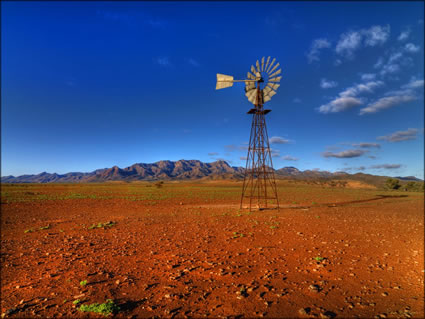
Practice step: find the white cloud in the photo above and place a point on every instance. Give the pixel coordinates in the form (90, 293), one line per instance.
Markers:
(396, 97)
(193, 62)
(163, 61)
(274, 152)
(400, 136)
(367, 145)
(410, 47)
(339, 104)
(390, 69)
(325, 84)
(413, 84)
(376, 35)
(368, 87)
(278, 140)
(386, 166)
(368, 76)
(348, 169)
(379, 63)
(351, 41)
(396, 60)
(348, 43)
(337, 62)
(316, 46)
(349, 97)
(345, 154)
(386, 102)
(404, 35)
(394, 57)
(290, 158)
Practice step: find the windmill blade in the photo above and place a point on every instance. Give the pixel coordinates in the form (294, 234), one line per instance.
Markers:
(267, 64)
(274, 68)
(271, 93)
(249, 86)
(268, 97)
(267, 90)
(274, 59)
(262, 64)
(276, 73)
(276, 79)
(250, 76)
(253, 71)
(251, 95)
(273, 86)
(223, 81)
(253, 99)
(258, 66)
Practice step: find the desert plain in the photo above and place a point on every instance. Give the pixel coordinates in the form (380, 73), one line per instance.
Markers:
(186, 250)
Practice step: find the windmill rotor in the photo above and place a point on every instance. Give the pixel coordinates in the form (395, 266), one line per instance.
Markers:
(264, 72)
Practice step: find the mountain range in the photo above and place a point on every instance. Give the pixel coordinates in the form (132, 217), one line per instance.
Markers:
(183, 170)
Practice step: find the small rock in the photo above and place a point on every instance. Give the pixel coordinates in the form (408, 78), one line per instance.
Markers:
(304, 311)
(327, 314)
(314, 288)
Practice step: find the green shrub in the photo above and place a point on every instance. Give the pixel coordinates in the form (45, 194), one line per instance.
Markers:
(392, 183)
(414, 187)
(105, 309)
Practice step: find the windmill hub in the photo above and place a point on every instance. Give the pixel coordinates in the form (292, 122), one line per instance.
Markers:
(259, 184)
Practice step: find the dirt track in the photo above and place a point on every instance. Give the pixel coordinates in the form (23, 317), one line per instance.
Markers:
(351, 255)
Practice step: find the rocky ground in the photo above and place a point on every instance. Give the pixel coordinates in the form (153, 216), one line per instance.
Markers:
(351, 253)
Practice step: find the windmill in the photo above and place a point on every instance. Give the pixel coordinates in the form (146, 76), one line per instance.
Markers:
(259, 185)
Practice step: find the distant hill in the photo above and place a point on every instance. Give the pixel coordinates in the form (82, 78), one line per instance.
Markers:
(187, 170)
(409, 179)
(162, 170)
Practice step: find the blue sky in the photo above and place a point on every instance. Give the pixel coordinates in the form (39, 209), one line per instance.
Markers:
(88, 85)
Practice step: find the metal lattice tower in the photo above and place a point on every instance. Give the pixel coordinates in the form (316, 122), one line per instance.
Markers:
(259, 185)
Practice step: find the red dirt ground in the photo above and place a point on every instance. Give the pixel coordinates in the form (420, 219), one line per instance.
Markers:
(185, 256)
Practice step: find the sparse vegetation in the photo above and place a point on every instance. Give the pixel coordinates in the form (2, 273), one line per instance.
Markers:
(105, 309)
(83, 283)
(392, 183)
(159, 184)
(238, 235)
(413, 187)
(102, 225)
(76, 301)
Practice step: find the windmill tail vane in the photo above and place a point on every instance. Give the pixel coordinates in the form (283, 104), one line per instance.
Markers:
(259, 186)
